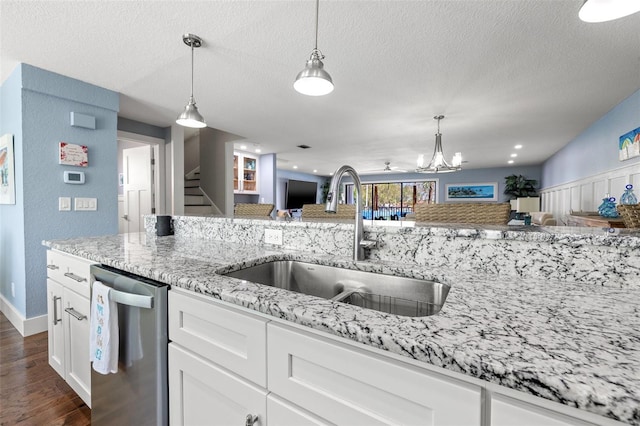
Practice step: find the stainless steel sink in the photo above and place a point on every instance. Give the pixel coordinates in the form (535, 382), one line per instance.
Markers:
(385, 293)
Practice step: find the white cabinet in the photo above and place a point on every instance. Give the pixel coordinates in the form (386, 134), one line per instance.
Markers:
(227, 362)
(56, 328)
(347, 386)
(231, 339)
(201, 393)
(217, 363)
(68, 316)
(245, 174)
(506, 411)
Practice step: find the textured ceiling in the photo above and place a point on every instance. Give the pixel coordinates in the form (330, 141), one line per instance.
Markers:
(503, 72)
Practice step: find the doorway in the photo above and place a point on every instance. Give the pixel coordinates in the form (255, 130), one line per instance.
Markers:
(140, 176)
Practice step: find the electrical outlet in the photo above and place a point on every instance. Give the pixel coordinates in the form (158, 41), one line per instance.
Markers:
(273, 236)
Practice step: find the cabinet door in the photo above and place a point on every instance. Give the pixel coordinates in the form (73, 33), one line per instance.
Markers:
(282, 413)
(201, 393)
(507, 412)
(55, 326)
(348, 386)
(78, 364)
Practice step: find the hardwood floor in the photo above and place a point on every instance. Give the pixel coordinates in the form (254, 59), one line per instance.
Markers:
(31, 392)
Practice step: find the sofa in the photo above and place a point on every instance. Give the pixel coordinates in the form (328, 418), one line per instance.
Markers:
(542, 219)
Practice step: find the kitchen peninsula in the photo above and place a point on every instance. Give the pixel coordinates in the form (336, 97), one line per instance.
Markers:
(533, 314)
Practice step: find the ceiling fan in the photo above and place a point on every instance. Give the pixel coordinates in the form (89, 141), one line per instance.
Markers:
(387, 169)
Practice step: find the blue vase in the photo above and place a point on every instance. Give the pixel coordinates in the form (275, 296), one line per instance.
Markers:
(628, 197)
(608, 208)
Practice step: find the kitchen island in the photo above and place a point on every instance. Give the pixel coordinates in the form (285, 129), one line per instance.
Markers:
(569, 334)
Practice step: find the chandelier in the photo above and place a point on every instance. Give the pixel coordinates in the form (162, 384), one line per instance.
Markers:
(438, 164)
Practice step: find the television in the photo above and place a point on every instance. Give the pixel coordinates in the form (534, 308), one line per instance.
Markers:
(299, 193)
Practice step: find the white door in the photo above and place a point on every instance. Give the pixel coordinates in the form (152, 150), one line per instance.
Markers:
(138, 186)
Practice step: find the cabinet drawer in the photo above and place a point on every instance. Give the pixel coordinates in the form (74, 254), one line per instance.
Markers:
(506, 412)
(231, 339)
(348, 386)
(70, 271)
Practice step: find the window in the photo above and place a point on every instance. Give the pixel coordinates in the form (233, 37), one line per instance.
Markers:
(392, 200)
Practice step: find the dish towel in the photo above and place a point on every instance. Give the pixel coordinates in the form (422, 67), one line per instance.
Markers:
(103, 338)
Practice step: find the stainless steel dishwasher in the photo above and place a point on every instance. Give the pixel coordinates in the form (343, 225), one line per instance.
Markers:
(138, 393)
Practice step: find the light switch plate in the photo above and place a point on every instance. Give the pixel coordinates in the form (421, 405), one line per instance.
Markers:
(85, 204)
(273, 236)
(64, 204)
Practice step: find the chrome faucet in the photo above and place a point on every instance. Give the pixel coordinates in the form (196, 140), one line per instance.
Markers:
(359, 243)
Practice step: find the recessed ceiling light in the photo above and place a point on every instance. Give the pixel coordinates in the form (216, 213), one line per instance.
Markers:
(510, 161)
(243, 147)
(514, 155)
(295, 167)
(315, 171)
(258, 150)
(518, 146)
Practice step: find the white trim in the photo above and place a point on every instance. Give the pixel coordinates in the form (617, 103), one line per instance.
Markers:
(159, 173)
(586, 194)
(25, 326)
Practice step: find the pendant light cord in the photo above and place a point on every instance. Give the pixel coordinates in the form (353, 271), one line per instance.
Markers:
(192, 41)
(317, 9)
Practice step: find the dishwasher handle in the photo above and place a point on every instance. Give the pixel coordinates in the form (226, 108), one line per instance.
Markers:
(139, 300)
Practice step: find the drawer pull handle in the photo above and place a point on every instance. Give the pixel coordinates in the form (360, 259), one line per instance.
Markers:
(74, 277)
(250, 420)
(52, 266)
(55, 310)
(77, 315)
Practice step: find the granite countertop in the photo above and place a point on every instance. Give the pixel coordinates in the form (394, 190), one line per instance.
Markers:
(571, 343)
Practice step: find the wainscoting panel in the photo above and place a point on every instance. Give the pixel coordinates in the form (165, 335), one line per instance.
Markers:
(586, 194)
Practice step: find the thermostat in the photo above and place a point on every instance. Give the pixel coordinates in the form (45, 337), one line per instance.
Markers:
(74, 177)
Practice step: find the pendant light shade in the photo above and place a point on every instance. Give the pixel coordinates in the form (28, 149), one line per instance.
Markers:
(313, 80)
(438, 164)
(190, 117)
(607, 10)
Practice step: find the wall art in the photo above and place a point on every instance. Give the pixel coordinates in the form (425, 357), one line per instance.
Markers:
(7, 171)
(629, 145)
(471, 192)
(73, 155)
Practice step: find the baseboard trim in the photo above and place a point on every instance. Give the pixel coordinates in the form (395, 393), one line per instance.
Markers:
(25, 326)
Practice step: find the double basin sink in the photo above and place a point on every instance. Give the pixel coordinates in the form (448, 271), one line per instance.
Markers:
(385, 293)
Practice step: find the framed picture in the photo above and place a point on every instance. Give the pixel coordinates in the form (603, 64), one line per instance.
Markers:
(629, 145)
(7, 172)
(73, 155)
(471, 191)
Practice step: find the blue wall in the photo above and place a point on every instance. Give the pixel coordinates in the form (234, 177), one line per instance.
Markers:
(12, 252)
(596, 149)
(47, 100)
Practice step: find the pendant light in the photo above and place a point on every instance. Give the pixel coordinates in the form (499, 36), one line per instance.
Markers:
(607, 10)
(313, 80)
(190, 117)
(438, 164)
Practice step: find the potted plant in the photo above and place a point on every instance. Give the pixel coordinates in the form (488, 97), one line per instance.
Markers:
(519, 186)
